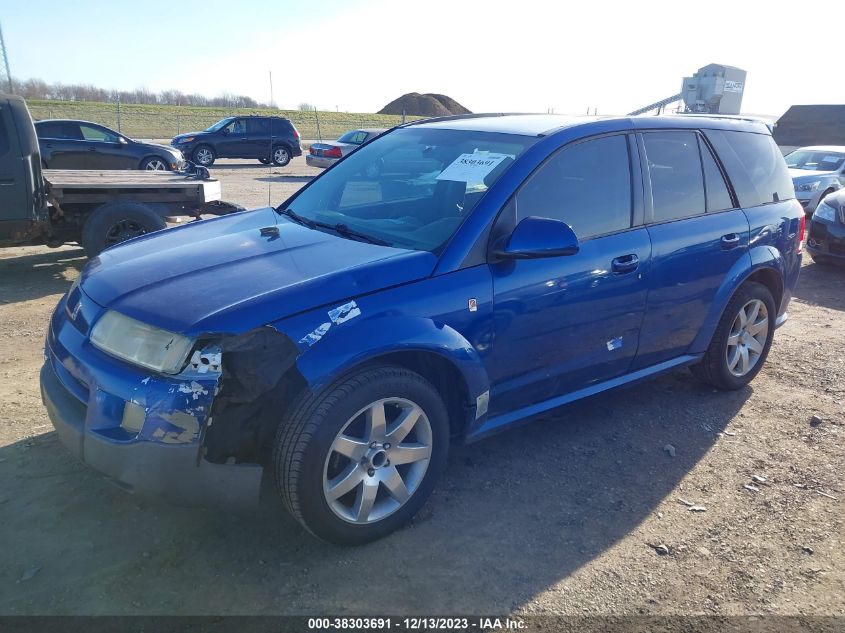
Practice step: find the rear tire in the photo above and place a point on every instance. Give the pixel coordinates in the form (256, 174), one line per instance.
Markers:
(280, 156)
(742, 339)
(204, 155)
(355, 495)
(116, 222)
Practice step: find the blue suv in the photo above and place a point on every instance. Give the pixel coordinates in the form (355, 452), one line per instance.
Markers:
(442, 283)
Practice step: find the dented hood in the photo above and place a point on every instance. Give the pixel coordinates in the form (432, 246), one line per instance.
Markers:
(223, 275)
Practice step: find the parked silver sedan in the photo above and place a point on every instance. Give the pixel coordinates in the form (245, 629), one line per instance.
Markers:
(816, 171)
(325, 154)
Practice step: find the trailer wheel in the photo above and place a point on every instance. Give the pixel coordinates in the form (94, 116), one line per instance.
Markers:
(116, 222)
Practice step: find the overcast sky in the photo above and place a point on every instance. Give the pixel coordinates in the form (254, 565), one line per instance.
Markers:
(357, 55)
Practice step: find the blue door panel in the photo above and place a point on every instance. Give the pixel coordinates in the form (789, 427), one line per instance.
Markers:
(565, 322)
(690, 259)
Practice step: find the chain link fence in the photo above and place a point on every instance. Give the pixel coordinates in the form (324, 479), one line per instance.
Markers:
(165, 122)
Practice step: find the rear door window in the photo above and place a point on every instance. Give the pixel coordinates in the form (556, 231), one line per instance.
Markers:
(755, 166)
(587, 185)
(716, 190)
(258, 127)
(60, 130)
(677, 179)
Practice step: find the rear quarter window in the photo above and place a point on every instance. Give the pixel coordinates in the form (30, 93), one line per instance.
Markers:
(755, 166)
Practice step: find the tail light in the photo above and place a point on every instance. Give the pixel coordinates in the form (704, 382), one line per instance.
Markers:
(801, 230)
(311, 150)
(296, 134)
(332, 152)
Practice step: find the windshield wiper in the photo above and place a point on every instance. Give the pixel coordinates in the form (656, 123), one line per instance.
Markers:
(340, 227)
(344, 230)
(293, 215)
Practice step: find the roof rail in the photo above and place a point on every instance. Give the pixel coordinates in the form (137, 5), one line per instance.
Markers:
(455, 117)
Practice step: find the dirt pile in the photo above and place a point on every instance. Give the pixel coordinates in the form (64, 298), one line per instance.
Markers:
(429, 104)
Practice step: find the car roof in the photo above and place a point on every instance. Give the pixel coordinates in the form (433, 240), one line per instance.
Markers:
(68, 121)
(545, 124)
(822, 148)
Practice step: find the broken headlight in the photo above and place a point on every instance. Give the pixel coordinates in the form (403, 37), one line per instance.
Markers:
(141, 344)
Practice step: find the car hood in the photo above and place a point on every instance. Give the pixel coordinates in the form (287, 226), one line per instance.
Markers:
(180, 137)
(803, 174)
(223, 275)
(158, 146)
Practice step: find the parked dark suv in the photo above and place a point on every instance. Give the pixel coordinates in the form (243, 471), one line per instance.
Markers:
(269, 139)
(444, 282)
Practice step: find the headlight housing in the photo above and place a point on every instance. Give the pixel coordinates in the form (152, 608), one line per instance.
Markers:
(825, 212)
(808, 186)
(141, 344)
(187, 139)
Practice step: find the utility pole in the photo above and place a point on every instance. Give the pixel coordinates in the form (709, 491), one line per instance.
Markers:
(5, 73)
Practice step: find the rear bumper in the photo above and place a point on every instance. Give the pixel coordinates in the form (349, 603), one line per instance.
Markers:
(319, 161)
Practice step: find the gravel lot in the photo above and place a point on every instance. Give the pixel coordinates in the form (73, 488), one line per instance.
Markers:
(564, 516)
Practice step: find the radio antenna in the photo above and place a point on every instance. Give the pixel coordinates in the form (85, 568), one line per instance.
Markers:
(270, 154)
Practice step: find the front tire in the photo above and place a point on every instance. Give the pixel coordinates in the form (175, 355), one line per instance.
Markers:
(154, 163)
(116, 222)
(357, 461)
(204, 155)
(742, 339)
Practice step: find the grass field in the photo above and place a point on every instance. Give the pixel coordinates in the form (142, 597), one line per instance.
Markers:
(163, 122)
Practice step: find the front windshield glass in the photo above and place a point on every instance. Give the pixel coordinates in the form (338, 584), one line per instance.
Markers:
(220, 124)
(814, 160)
(411, 188)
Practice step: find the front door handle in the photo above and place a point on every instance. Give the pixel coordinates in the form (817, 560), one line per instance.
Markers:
(625, 264)
(92, 149)
(729, 241)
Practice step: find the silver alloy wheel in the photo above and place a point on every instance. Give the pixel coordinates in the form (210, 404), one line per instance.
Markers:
(747, 339)
(204, 156)
(377, 461)
(280, 155)
(156, 164)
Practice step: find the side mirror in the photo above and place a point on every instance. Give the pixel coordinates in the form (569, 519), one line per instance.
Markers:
(535, 238)
(224, 131)
(122, 141)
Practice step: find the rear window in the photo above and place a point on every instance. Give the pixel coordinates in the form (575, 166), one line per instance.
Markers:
(4, 132)
(755, 166)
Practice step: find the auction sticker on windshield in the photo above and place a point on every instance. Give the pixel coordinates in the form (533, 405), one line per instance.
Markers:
(471, 167)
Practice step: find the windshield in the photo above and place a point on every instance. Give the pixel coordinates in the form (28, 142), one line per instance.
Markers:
(411, 188)
(814, 160)
(220, 124)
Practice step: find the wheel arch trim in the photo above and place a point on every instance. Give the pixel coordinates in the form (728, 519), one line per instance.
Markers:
(340, 351)
(765, 260)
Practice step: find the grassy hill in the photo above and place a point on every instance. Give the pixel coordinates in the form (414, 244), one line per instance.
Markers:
(164, 122)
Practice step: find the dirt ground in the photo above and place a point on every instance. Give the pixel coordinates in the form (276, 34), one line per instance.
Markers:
(564, 516)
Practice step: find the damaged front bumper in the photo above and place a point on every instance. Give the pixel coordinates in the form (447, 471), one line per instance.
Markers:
(145, 432)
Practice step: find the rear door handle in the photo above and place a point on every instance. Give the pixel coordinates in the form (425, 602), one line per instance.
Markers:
(625, 264)
(729, 241)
